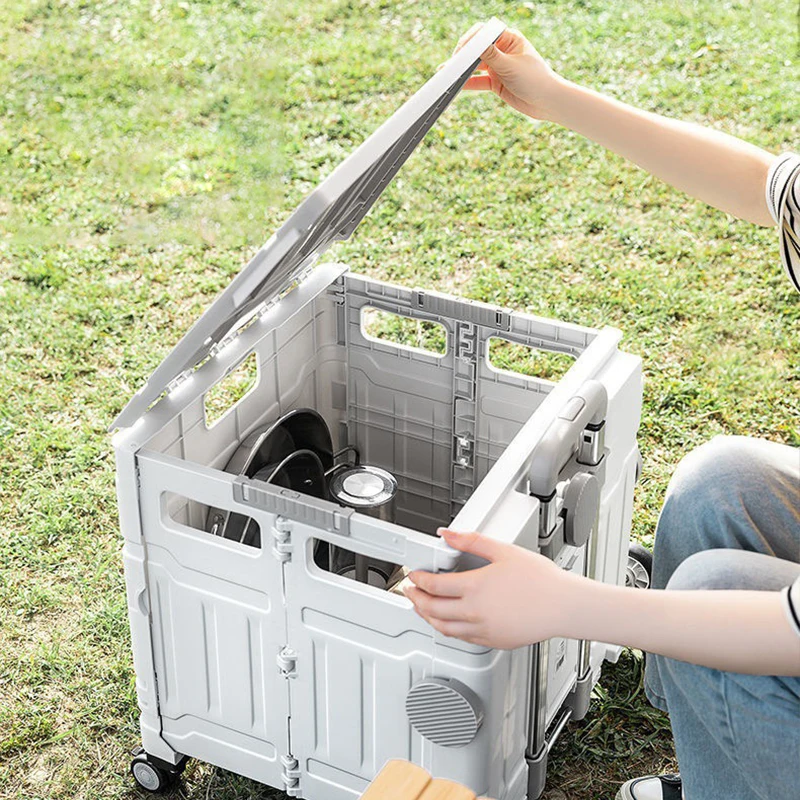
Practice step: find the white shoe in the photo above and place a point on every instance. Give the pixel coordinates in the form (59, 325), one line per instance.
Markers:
(652, 787)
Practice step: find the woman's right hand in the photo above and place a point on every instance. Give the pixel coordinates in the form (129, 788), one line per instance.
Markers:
(514, 70)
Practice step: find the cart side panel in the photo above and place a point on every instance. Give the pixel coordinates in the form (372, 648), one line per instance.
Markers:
(300, 362)
(622, 377)
(493, 764)
(135, 566)
(298, 365)
(359, 652)
(218, 624)
(507, 399)
(439, 422)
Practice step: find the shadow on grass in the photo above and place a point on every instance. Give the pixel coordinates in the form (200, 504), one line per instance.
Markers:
(622, 737)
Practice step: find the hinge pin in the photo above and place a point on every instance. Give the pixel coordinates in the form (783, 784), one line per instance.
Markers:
(287, 662)
(291, 775)
(282, 535)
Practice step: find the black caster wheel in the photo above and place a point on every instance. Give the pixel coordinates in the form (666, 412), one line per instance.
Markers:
(152, 774)
(639, 570)
(150, 777)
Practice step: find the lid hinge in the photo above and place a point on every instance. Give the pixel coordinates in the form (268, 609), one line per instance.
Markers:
(287, 662)
(177, 381)
(282, 534)
(242, 325)
(291, 775)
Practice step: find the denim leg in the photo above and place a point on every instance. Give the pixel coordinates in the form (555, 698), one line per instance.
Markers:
(737, 737)
(733, 493)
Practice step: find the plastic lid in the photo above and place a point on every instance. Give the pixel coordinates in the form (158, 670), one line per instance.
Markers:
(330, 213)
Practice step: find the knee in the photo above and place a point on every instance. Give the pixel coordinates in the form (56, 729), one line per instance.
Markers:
(728, 568)
(714, 468)
(708, 485)
(708, 569)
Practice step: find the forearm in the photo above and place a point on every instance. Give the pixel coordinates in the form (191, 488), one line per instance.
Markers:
(736, 631)
(719, 169)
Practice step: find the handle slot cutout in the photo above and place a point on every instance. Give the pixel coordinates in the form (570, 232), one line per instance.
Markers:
(227, 393)
(530, 362)
(232, 526)
(420, 335)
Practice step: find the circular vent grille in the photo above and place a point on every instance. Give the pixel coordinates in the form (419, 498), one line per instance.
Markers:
(444, 711)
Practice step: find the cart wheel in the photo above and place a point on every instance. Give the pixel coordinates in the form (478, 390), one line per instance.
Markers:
(149, 776)
(639, 570)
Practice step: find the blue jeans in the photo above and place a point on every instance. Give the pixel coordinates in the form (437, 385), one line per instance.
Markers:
(731, 520)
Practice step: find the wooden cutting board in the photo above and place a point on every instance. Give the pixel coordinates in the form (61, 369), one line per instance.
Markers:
(399, 780)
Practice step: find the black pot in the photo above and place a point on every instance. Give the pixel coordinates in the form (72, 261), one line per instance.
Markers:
(268, 454)
(301, 471)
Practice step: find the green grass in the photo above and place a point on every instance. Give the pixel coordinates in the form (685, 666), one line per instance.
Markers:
(147, 148)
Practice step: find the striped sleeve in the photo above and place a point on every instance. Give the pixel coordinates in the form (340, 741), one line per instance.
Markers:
(783, 201)
(791, 603)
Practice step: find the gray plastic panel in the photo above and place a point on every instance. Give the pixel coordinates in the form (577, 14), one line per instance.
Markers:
(359, 652)
(439, 422)
(330, 213)
(400, 407)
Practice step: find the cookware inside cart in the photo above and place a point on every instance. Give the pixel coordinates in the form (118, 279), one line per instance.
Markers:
(300, 471)
(301, 429)
(371, 491)
(294, 452)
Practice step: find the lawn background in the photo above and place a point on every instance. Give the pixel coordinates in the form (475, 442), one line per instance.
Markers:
(148, 148)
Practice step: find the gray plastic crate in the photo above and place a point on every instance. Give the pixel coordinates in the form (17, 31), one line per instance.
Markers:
(257, 659)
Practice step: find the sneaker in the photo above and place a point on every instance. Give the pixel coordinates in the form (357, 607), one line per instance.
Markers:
(653, 787)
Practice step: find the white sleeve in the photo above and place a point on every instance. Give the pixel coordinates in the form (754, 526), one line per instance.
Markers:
(783, 202)
(791, 604)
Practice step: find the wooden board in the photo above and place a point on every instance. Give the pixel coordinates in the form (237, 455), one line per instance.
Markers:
(446, 790)
(400, 780)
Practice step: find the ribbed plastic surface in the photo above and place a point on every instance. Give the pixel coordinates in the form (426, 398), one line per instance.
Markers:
(444, 711)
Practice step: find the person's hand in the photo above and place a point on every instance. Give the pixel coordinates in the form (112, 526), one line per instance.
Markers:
(514, 70)
(519, 598)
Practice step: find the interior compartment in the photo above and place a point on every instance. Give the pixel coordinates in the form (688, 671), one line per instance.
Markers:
(435, 417)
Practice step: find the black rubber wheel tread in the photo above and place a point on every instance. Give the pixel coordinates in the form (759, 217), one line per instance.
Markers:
(165, 780)
(643, 556)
